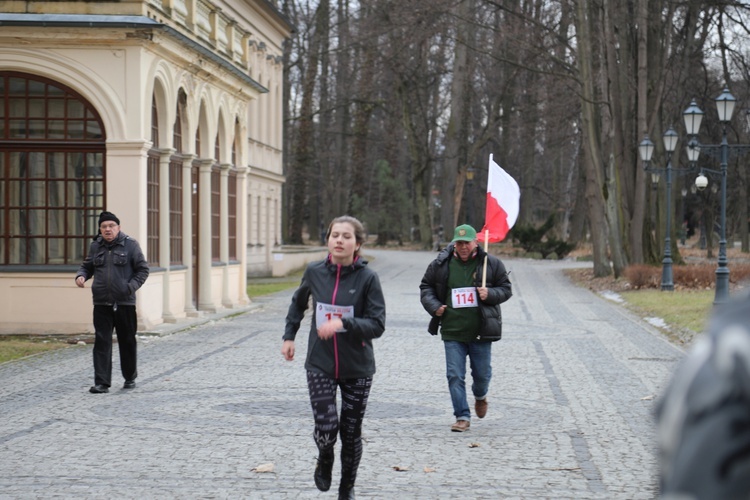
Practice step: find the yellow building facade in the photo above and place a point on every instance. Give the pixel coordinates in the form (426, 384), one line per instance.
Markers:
(167, 113)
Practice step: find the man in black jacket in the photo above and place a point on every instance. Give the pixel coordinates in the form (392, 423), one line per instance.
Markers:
(467, 312)
(117, 264)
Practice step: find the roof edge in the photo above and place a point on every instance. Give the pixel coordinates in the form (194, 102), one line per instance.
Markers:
(136, 22)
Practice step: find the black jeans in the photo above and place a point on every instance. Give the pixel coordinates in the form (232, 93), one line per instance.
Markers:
(354, 394)
(124, 322)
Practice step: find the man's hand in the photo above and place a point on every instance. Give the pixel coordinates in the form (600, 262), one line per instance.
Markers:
(441, 310)
(80, 280)
(483, 291)
(287, 349)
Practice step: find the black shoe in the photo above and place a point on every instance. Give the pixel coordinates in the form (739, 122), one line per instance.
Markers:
(323, 470)
(129, 384)
(346, 493)
(98, 389)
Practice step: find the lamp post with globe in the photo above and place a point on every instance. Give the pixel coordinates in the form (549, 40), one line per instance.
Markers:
(693, 115)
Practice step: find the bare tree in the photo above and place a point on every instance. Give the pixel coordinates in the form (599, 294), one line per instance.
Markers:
(390, 97)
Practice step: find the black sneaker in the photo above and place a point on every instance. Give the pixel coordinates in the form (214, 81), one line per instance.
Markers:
(129, 384)
(98, 389)
(324, 470)
(346, 492)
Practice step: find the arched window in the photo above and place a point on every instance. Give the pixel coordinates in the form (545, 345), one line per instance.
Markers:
(52, 171)
(232, 199)
(196, 181)
(153, 199)
(216, 203)
(175, 185)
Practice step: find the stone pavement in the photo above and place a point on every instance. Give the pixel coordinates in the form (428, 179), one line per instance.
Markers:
(570, 415)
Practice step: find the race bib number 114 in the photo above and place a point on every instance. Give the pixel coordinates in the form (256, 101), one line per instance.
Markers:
(464, 297)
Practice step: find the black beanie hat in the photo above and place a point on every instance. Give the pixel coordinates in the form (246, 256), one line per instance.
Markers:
(108, 216)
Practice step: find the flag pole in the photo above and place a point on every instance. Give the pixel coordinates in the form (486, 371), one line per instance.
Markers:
(486, 237)
(484, 268)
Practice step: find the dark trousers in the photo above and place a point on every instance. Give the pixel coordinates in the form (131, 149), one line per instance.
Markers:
(124, 322)
(354, 395)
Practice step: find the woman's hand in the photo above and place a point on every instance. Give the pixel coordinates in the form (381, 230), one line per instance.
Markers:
(483, 292)
(329, 328)
(287, 349)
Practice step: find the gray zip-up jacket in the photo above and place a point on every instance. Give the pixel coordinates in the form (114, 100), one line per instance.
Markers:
(349, 354)
(118, 268)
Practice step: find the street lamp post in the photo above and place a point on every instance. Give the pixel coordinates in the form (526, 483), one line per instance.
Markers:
(646, 150)
(693, 116)
(683, 223)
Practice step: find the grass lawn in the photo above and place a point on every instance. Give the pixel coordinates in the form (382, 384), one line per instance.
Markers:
(20, 346)
(255, 290)
(682, 310)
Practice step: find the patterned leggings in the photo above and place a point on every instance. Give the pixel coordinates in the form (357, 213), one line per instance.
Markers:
(354, 394)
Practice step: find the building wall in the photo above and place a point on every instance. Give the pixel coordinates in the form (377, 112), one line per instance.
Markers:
(119, 69)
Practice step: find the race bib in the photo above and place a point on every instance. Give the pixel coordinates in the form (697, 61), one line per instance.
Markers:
(464, 297)
(327, 312)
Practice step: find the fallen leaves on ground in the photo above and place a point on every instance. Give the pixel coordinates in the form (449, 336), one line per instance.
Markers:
(263, 468)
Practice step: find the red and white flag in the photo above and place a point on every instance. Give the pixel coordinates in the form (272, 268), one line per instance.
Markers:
(503, 199)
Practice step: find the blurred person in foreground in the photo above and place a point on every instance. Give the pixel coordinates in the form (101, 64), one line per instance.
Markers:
(703, 418)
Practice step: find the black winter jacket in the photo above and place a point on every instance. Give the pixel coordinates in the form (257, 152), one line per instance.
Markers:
(118, 268)
(349, 354)
(434, 291)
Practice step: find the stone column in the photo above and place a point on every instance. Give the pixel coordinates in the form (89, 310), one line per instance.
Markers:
(242, 230)
(226, 301)
(165, 241)
(205, 295)
(187, 231)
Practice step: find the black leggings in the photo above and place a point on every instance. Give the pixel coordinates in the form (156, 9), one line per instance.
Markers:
(354, 394)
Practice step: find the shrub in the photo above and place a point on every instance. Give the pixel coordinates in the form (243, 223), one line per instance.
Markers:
(739, 273)
(695, 276)
(687, 276)
(643, 276)
(533, 240)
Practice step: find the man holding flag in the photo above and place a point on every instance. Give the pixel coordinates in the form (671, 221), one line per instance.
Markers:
(468, 315)
(462, 290)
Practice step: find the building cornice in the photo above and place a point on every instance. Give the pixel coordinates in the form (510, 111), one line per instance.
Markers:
(127, 22)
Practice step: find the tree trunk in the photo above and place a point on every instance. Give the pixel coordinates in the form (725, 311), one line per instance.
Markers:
(304, 156)
(339, 176)
(619, 164)
(361, 170)
(639, 202)
(287, 128)
(456, 132)
(320, 167)
(591, 128)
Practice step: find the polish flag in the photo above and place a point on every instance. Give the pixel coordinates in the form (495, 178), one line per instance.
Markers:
(503, 197)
